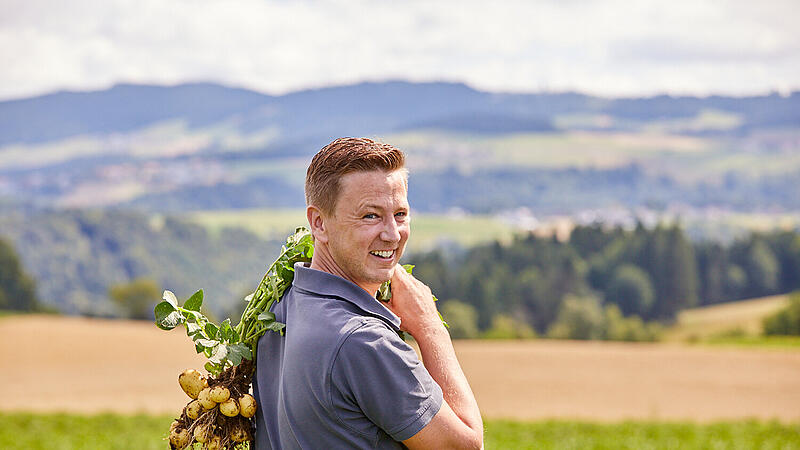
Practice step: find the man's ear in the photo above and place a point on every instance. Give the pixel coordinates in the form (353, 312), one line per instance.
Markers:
(317, 223)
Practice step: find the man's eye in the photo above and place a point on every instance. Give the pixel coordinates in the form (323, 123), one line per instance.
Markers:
(401, 214)
(370, 216)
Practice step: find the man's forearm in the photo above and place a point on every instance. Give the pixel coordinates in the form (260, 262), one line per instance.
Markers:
(440, 360)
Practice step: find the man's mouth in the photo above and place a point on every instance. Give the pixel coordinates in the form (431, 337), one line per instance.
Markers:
(383, 254)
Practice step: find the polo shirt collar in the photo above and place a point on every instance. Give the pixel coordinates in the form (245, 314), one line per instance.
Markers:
(327, 284)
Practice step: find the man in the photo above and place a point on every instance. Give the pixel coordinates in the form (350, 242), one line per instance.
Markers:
(341, 377)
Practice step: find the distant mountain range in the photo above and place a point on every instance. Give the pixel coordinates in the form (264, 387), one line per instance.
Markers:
(207, 146)
(365, 108)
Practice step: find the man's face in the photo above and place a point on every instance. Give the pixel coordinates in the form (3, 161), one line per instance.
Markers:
(370, 226)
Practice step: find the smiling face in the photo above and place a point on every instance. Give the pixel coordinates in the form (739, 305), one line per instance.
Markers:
(364, 238)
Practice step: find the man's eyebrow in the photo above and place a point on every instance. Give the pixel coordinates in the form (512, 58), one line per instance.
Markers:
(379, 207)
(372, 206)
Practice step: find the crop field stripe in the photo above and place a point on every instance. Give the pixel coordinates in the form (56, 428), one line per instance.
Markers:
(112, 431)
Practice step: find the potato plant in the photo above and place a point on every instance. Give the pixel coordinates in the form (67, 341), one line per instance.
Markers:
(220, 412)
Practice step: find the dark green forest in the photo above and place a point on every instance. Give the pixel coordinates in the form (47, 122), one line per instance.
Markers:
(76, 256)
(585, 286)
(17, 288)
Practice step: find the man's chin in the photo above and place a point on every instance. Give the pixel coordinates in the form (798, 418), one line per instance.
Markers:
(384, 275)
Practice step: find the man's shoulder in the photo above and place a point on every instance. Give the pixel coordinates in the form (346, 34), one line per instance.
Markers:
(366, 338)
(364, 329)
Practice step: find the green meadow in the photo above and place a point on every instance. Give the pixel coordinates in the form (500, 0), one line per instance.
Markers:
(111, 431)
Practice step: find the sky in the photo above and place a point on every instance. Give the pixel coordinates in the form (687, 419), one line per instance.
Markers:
(608, 48)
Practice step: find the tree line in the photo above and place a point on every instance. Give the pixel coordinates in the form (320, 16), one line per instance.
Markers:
(603, 283)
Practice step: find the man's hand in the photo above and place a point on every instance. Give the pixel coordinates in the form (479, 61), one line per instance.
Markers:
(458, 423)
(412, 302)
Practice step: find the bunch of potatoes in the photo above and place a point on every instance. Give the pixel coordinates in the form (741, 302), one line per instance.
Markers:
(214, 417)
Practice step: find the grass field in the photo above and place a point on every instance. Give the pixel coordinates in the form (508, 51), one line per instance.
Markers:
(427, 229)
(110, 432)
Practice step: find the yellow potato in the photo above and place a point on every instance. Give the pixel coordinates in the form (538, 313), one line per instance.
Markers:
(220, 393)
(194, 409)
(229, 407)
(192, 382)
(204, 397)
(201, 433)
(247, 406)
(179, 438)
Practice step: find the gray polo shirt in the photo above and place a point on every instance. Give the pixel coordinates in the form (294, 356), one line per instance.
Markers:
(341, 377)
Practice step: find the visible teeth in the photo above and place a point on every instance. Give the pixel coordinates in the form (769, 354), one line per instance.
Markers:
(383, 254)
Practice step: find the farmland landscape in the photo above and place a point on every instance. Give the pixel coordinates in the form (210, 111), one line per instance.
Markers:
(606, 206)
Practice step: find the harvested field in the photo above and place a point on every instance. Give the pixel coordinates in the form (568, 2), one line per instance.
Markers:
(615, 381)
(90, 365)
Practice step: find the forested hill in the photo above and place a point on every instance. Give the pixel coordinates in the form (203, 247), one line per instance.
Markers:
(76, 256)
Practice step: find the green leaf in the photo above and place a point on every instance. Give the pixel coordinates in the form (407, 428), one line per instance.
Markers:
(227, 333)
(408, 267)
(196, 315)
(224, 330)
(170, 298)
(206, 343)
(194, 302)
(211, 330)
(274, 285)
(238, 351)
(162, 309)
(193, 329)
(276, 327)
(166, 316)
(219, 354)
(385, 291)
(267, 316)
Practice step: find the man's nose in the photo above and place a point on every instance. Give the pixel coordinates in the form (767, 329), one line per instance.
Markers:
(391, 230)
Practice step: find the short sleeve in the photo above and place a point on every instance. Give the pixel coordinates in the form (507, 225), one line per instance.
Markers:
(383, 377)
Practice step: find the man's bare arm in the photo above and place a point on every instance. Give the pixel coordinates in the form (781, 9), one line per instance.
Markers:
(458, 423)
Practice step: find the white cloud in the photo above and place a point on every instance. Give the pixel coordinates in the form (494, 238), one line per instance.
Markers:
(610, 47)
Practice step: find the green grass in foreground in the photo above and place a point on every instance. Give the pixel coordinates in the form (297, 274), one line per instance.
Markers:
(110, 431)
(641, 435)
